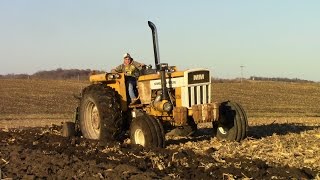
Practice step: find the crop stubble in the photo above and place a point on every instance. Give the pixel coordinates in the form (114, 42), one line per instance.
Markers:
(284, 136)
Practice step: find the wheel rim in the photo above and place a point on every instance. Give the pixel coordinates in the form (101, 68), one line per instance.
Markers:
(223, 130)
(93, 119)
(223, 126)
(139, 137)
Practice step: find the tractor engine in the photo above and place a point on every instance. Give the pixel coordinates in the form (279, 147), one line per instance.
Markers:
(189, 93)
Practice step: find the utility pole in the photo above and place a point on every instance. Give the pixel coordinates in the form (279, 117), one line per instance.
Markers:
(241, 73)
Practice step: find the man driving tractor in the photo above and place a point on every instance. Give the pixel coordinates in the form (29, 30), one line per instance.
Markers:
(132, 70)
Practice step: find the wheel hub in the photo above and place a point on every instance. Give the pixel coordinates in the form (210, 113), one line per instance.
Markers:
(95, 119)
(222, 130)
(139, 137)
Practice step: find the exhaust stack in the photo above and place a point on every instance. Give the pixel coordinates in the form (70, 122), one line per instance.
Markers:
(155, 45)
(161, 103)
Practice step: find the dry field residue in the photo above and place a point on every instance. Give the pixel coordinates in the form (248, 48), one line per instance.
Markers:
(283, 139)
(272, 98)
(38, 99)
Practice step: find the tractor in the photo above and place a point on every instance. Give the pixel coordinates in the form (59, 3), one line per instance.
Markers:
(168, 99)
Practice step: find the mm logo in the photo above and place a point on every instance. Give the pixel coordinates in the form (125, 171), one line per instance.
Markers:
(201, 76)
(197, 77)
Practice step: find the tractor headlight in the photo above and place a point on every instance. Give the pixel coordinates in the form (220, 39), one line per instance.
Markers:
(113, 76)
(117, 76)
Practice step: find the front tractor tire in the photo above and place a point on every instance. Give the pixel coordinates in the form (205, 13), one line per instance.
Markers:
(100, 115)
(147, 132)
(232, 124)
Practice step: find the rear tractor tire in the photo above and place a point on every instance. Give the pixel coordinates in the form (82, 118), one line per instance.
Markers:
(147, 131)
(232, 124)
(100, 115)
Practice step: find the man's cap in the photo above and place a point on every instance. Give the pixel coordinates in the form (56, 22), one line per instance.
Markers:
(126, 55)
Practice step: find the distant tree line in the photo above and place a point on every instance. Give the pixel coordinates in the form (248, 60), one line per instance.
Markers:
(83, 74)
(221, 80)
(256, 78)
(61, 74)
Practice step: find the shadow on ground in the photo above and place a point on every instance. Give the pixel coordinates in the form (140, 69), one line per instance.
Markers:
(199, 135)
(257, 132)
(279, 129)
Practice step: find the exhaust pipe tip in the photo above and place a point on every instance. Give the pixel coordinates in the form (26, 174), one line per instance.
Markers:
(151, 25)
(155, 44)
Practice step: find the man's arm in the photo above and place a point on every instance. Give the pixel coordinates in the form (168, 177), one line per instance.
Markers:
(118, 69)
(138, 65)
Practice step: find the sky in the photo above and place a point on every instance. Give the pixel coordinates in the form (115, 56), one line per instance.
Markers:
(269, 38)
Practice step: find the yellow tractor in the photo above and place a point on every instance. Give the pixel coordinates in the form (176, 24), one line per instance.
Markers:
(168, 99)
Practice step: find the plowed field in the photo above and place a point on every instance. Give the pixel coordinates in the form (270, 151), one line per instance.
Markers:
(283, 142)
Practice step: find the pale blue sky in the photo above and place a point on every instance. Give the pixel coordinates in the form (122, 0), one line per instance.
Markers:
(274, 38)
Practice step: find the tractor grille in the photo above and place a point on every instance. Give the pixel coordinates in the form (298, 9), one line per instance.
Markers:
(199, 94)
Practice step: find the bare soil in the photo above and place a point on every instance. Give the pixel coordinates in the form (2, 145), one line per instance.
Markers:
(33, 153)
(283, 142)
